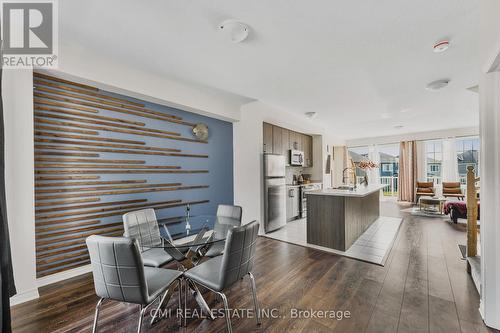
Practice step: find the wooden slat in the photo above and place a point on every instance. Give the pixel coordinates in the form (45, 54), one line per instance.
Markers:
(61, 153)
(65, 202)
(78, 240)
(63, 129)
(66, 226)
(110, 108)
(44, 242)
(119, 151)
(38, 101)
(115, 213)
(81, 195)
(55, 107)
(69, 264)
(100, 144)
(102, 204)
(91, 138)
(99, 182)
(86, 160)
(40, 178)
(54, 253)
(56, 79)
(105, 209)
(106, 125)
(171, 136)
(106, 103)
(89, 172)
(85, 92)
(114, 226)
(103, 166)
(102, 188)
(43, 261)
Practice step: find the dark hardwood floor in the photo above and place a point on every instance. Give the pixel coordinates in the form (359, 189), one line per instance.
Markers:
(423, 288)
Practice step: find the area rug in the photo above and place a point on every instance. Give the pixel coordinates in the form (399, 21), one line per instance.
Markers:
(373, 246)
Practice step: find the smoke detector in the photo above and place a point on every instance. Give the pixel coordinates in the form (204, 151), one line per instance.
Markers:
(235, 30)
(438, 84)
(441, 46)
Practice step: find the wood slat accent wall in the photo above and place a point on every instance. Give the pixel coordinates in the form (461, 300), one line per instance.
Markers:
(83, 136)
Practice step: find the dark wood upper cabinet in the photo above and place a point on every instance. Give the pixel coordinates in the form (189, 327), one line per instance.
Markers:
(268, 138)
(277, 140)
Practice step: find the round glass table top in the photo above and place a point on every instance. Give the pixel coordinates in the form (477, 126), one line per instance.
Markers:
(196, 230)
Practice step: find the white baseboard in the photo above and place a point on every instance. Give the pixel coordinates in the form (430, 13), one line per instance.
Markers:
(24, 297)
(49, 279)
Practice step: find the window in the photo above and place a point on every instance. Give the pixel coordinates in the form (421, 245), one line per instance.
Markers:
(386, 167)
(434, 152)
(389, 168)
(467, 155)
(358, 154)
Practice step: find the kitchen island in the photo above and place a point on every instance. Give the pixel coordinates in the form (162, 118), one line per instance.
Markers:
(337, 217)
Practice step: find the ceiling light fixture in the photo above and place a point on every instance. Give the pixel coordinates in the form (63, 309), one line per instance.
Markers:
(398, 126)
(441, 46)
(236, 31)
(438, 84)
(311, 114)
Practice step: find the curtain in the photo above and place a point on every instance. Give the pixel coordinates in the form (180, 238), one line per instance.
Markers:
(374, 156)
(7, 288)
(450, 162)
(407, 171)
(421, 162)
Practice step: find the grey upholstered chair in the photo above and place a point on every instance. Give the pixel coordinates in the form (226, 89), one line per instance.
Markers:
(219, 273)
(143, 226)
(234, 212)
(119, 274)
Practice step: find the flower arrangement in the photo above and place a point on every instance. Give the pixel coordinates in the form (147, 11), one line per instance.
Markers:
(367, 165)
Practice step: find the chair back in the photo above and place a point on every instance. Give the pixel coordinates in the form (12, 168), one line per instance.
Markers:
(425, 187)
(234, 212)
(452, 188)
(238, 255)
(143, 226)
(117, 269)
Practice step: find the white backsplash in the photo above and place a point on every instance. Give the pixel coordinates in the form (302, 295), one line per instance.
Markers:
(290, 171)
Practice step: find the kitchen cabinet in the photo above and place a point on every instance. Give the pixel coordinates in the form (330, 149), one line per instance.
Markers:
(285, 141)
(268, 138)
(292, 203)
(277, 140)
(307, 148)
(295, 140)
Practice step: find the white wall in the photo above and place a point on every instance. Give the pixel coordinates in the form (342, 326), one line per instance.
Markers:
(449, 133)
(17, 91)
(489, 89)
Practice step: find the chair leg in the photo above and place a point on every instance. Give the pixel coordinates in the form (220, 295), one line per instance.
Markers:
(255, 301)
(143, 309)
(226, 307)
(160, 305)
(179, 286)
(185, 301)
(96, 317)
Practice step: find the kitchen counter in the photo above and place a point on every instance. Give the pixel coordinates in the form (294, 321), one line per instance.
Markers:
(359, 192)
(336, 218)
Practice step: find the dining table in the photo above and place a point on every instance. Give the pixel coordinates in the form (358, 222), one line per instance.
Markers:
(187, 240)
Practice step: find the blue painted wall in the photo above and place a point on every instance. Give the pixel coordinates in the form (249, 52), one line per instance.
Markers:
(219, 163)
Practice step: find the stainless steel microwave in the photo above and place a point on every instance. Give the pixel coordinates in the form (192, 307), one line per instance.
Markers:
(296, 157)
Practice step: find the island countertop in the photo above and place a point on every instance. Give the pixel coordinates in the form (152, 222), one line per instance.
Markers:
(359, 192)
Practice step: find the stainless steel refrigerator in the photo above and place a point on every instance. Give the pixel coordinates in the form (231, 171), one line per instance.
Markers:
(274, 192)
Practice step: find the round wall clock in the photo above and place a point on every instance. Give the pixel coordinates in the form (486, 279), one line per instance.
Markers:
(200, 131)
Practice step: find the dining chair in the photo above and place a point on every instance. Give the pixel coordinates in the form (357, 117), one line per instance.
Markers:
(119, 274)
(143, 226)
(220, 273)
(234, 212)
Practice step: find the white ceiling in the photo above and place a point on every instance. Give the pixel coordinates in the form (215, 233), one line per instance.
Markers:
(357, 63)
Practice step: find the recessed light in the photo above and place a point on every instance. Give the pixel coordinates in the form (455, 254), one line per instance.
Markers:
(398, 126)
(311, 114)
(441, 46)
(438, 84)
